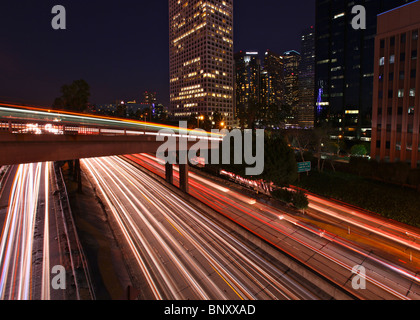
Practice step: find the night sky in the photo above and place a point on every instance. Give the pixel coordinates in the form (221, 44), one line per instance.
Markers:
(119, 47)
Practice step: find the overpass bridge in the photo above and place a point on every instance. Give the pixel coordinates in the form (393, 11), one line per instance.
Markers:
(31, 134)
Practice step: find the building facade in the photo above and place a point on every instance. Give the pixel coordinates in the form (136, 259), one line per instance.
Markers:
(274, 66)
(247, 78)
(259, 87)
(149, 97)
(201, 58)
(344, 65)
(396, 99)
(306, 107)
(291, 84)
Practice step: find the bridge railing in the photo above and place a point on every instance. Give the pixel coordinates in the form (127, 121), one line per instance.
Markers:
(39, 121)
(46, 127)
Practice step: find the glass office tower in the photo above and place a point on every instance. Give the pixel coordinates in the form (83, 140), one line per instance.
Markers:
(345, 65)
(306, 109)
(201, 58)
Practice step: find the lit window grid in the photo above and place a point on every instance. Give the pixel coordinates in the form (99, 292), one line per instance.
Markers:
(203, 58)
(396, 111)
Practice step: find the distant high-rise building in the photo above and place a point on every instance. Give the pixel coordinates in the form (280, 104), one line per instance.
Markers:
(344, 65)
(274, 66)
(291, 83)
(267, 94)
(201, 58)
(149, 97)
(247, 77)
(159, 113)
(259, 87)
(306, 106)
(396, 97)
(247, 84)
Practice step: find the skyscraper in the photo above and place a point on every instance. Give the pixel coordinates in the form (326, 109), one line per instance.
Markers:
(291, 83)
(247, 84)
(396, 99)
(149, 97)
(201, 58)
(274, 66)
(344, 64)
(306, 107)
(259, 88)
(247, 77)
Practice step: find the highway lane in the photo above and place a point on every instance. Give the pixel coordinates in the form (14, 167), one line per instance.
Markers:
(182, 253)
(17, 238)
(402, 237)
(28, 243)
(329, 254)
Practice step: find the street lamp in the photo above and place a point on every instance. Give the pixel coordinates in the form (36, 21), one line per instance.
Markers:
(198, 120)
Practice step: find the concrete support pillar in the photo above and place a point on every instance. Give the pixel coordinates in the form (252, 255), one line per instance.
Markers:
(169, 173)
(78, 175)
(183, 178)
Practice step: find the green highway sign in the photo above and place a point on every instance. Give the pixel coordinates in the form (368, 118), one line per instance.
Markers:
(304, 167)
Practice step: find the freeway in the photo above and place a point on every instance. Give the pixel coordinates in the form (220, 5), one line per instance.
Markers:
(402, 237)
(329, 254)
(24, 254)
(181, 252)
(36, 238)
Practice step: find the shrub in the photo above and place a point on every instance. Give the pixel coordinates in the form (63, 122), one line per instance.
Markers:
(300, 200)
(359, 150)
(394, 202)
(283, 195)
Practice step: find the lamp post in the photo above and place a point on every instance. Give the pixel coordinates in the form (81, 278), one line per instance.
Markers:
(198, 121)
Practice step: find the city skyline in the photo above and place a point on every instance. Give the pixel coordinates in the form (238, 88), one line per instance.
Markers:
(344, 66)
(99, 47)
(312, 192)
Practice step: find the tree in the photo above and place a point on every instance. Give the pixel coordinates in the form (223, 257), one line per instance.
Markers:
(301, 140)
(75, 97)
(193, 121)
(249, 113)
(218, 119)
(252, 114)
(196, 121)
(241, 115)
(358, 150)
(333, 147)
(322, 138)
(271, 115)
(280, 166)
(297, 198)
(283, 194)
(300, 200)
(206, 124)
